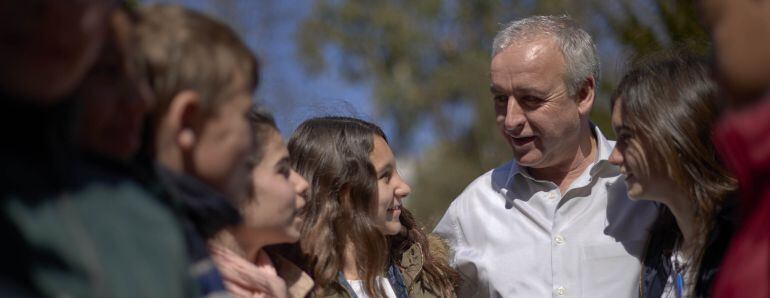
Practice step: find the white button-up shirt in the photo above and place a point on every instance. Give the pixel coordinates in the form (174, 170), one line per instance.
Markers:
(515, 236)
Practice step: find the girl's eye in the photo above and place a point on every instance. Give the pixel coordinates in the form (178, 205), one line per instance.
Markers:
(623, 140)
(284, 171)
(385, 176)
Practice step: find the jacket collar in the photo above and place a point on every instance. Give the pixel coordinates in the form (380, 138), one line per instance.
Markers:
(208, 209)
(412, 261)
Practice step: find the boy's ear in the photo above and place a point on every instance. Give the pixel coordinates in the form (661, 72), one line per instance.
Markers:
(183, 116)
(585, 96)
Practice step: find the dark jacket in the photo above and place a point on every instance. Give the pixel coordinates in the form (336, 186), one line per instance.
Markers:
(657, 267)
(76, 226)
(742, 138)
(202, 212)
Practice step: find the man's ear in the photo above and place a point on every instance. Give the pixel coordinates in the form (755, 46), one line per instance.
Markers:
(585, 96)
(183, 117)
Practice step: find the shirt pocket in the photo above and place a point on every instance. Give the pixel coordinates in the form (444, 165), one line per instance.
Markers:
(611, 269)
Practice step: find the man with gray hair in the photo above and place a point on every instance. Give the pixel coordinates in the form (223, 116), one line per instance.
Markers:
(554, 221)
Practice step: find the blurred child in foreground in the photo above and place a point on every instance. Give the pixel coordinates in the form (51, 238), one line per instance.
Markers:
(202, 76)
(87, 228)
(739, 32)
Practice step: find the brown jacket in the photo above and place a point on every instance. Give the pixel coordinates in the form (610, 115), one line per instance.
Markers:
(411, 269)
(412, 261)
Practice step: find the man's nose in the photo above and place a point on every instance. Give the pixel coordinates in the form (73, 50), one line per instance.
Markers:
(514, 116)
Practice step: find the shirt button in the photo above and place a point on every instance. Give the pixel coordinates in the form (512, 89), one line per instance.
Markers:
(552, 196)
(559, 239)
(561, 291)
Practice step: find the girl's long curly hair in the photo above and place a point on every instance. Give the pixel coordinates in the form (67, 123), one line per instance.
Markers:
(332, 153)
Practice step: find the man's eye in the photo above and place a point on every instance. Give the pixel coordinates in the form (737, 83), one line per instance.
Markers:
(500, 99)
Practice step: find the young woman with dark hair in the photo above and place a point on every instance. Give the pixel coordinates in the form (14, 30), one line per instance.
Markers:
(663, 111)
(270, 215)
(357, 239)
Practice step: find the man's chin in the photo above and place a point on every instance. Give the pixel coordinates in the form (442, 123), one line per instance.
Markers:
(527, 165)
(527, 159)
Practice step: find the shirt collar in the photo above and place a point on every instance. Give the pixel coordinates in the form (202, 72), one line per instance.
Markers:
(604, 149)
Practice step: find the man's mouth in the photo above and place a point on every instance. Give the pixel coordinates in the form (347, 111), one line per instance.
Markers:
(519, 141)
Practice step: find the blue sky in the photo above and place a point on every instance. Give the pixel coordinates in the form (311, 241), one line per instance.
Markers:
(286, 88)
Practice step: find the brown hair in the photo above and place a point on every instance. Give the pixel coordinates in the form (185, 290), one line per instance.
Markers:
(332, 153)
(186, 50)
(262, 126)
(670, 103)
(437, 276)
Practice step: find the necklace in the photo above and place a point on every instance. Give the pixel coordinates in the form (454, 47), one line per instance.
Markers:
(678, 269)
(679, 265)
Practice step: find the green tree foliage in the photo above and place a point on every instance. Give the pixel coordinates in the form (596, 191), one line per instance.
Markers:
(428, 59)
(666, 24)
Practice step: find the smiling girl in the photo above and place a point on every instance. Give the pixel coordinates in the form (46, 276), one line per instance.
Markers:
(357, 238)
(270, 216)
(662, 114)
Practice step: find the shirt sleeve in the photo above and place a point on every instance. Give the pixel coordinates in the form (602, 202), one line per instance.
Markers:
(448, 229)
